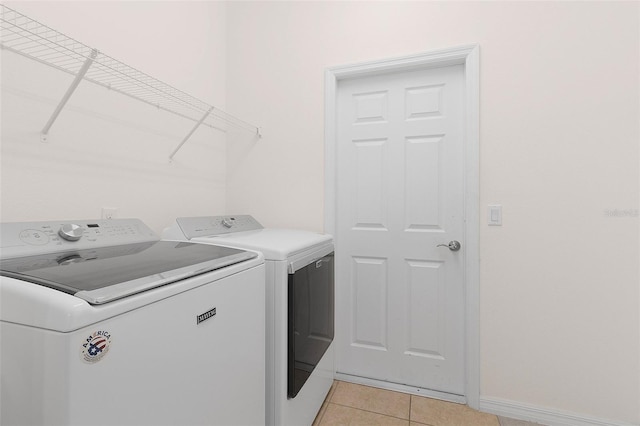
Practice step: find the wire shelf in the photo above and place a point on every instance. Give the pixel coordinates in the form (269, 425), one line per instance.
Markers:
(30, 38)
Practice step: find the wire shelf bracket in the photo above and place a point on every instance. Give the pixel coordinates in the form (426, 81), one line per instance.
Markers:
(186, 138)
(27, 37)
(74, 84)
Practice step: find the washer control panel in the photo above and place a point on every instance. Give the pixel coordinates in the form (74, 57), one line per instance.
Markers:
(33, 238)
(205, 226)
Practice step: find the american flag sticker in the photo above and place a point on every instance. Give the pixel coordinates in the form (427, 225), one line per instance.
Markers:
(96, 346)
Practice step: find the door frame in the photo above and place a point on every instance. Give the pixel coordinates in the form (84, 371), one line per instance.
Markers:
(469, 57)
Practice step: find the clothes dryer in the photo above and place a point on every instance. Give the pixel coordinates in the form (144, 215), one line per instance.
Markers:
(300, 308)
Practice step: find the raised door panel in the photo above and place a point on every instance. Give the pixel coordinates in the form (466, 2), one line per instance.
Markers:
(424, 102)
(425, 309)
(423, 183)
(369, 303)
(370, 198)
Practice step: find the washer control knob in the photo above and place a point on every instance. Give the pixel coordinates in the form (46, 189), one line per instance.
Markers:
(71, 231)
(227, 223)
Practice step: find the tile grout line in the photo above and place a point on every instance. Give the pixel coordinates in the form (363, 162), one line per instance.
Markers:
(409, 420)
(369, 411)
(332, 392)
(410, 402)
(415, 421)
(410, 417)
(323, 413)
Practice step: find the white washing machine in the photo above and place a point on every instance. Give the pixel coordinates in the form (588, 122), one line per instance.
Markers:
(300, 308)
(104, 324)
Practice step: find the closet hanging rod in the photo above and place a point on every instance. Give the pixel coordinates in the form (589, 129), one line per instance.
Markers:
(30, 38)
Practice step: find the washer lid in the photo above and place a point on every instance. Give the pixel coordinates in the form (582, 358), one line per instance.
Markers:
(275, 244)
(108, 273)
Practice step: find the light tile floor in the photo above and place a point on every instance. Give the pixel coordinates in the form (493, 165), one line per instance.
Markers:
(351, 404)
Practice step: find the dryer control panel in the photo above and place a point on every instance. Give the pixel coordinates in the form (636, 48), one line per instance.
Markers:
(33, 238)
(206, 226)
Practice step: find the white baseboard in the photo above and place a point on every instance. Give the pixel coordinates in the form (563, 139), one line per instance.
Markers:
(545, 416)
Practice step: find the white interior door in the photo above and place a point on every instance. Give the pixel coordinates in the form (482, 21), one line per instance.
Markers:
(400, 193)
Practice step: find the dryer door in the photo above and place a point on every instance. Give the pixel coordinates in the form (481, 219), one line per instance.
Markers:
(311, 319)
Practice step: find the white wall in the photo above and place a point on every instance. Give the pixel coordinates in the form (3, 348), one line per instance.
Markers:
(105, 149)
(559, 150)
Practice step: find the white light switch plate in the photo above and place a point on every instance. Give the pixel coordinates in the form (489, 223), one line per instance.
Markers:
(495, 215)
